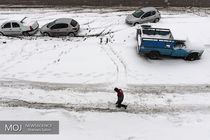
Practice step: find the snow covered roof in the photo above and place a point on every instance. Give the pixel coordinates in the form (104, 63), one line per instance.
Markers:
(147, 9)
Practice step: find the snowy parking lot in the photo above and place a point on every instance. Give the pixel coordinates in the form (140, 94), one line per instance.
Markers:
(72, 79)
(109, 57)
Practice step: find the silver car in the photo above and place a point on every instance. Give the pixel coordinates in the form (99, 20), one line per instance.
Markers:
(147, 14)
(61, 27)
(15, 28)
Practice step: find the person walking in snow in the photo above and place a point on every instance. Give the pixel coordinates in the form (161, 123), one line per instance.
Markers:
(120, 97)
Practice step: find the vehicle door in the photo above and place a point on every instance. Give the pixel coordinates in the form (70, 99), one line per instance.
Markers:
(6, 28)
(59, 29)
(165, 47)
(179, 53)
(179, 50)
(16, 28)
(153, 16)
(146, 17)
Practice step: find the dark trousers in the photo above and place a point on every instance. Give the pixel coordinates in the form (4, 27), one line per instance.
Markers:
(119, 105)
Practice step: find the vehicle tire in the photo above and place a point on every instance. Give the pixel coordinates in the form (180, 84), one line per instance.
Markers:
(154, 55)
(26, 34)
(71, 34)
(1, 34)
(156, 20)
(46, 34)
(135, 23)
(192, 57)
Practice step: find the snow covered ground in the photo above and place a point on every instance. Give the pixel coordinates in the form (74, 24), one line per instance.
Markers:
(86, 60)
(114, 126)
(72, 79)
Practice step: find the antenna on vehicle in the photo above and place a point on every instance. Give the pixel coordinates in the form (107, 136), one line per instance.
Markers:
(23, 19)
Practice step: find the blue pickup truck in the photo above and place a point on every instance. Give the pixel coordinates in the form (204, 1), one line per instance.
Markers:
(157, 42)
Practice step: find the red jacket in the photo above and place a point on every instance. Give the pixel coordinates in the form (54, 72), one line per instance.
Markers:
(120, 93)
(120, 96)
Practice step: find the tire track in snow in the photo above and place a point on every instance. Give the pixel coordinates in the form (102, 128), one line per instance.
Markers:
(105, 87)
(112, 60)
(109, 107)
(122, 73)
(120, 65)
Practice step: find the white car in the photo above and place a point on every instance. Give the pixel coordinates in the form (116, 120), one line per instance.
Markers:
(143, 15)
(61, 27)
(15, 28)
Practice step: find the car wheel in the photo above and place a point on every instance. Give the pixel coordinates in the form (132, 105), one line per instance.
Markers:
(154, 55)
(156, 20)
(25, 33)
(71, 34)
(135, 23)
(46, 34)
(1, 34)
(192, 57)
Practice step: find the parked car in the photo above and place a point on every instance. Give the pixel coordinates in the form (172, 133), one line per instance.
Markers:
(16, 28)
(61, 27)
(143, 15)
(156, 42)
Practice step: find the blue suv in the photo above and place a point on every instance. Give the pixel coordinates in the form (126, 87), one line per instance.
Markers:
(156, 42)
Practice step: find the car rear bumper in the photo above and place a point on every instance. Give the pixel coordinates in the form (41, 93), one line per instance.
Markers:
(78, 29)
(31, 32)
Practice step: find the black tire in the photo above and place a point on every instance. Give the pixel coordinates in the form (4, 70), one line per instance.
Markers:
(46, 34)
(156, 20)
(71, 34)
(135, 23)
(26, 34)
(154, 55)
(192, 57)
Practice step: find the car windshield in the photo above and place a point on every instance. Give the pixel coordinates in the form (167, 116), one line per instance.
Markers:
(138, 13)
(50, 24)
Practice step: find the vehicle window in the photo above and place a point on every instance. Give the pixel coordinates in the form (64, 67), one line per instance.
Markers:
(59, 26)
(149, 32)
(146, 15)
(73, 23)
(7, 25)
(138, 13)
(51, 24)
(15, 25)
(153, 13)
(179, 45)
